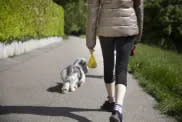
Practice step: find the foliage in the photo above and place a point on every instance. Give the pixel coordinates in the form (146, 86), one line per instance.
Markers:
(163, 23)
(75, 15)
(24, 19)
(160, 72)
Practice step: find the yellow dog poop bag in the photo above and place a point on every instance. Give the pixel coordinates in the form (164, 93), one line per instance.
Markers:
(92, 62)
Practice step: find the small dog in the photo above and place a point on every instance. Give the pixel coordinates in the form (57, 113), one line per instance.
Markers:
(73, 76)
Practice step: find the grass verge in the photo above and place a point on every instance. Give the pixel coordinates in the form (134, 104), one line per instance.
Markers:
(160, 74)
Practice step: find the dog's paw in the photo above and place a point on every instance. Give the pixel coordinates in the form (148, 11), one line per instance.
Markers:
(72, 89)
(65, 88)
(81, 83)
(73, 86)
(64, 91)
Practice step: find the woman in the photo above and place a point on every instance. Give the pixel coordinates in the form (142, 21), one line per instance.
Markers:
(119, 25)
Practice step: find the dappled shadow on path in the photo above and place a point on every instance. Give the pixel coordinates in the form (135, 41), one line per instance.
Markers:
(47, 111)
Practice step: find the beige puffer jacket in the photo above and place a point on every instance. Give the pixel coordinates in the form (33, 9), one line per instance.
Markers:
(113, 18)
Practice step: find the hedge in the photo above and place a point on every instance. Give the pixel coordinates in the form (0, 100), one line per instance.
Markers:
(25, 19)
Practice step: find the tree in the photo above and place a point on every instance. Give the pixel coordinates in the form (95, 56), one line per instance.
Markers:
(163, 23)
(75, 15)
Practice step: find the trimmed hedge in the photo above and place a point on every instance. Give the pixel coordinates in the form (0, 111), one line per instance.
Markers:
(159, 72)
(25, 19)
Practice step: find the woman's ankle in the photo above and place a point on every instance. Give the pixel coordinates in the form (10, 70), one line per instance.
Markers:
(111, 99)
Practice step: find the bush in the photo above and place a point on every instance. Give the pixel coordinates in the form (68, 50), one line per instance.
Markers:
(75, 16)
(160, 72)
(24, 19)
(163, 23)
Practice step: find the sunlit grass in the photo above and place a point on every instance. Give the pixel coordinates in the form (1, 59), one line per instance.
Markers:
(160, 73)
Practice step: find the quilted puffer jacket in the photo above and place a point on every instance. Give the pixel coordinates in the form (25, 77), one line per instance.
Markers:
(113, 18)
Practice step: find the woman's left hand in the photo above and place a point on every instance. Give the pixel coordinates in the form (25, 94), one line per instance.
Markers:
(133, 50)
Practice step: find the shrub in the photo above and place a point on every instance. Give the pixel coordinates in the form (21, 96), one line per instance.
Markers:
(75, 16)
(163, 23)
(24, 19)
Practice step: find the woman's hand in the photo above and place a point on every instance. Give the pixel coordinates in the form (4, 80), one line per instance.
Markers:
(133, 50)
(91, 50)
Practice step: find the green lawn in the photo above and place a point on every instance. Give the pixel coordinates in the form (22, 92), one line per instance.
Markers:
(160, 74)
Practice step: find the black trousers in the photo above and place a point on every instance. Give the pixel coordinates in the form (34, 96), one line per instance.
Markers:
(122, 46)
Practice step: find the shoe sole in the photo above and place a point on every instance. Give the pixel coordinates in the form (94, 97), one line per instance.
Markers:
(114, 119)
(108, 110)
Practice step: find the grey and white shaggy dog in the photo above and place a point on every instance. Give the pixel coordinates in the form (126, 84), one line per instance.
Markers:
(73, 76)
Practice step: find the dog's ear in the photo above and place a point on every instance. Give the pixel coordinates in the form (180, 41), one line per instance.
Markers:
(84, 66)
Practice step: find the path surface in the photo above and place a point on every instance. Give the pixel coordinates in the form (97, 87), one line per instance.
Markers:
(30, 89)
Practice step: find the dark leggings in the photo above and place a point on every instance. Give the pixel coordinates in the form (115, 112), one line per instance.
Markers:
(123, 46)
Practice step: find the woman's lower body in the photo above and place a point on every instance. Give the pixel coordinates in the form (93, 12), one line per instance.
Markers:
(116, 87)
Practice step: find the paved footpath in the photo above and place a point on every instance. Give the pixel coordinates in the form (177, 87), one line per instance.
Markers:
(30, 89)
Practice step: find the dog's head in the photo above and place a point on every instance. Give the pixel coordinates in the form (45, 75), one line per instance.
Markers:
(82, 63)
